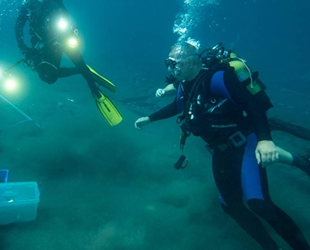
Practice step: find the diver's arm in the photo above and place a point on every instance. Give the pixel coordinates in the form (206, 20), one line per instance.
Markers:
(256, 113)
(164, 113)
(19, 28)
(266, 151)
(259, 120)
(169, 90)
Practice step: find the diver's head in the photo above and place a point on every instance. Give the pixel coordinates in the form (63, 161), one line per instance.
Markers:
(184, 62)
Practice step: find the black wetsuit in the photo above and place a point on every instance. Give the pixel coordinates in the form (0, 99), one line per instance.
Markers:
(46, 46)
(220, 109)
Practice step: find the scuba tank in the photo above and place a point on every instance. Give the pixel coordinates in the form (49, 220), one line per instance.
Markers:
(217, 56)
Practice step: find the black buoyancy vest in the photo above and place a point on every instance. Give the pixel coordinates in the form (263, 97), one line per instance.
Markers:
(209, 112)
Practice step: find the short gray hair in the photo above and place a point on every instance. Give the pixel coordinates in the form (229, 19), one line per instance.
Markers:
(185, 49)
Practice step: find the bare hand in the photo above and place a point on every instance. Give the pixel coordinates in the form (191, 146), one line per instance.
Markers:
(160, 93)
(266, 152)
(141, 122)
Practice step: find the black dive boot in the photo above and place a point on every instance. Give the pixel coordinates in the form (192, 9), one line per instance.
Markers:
(302, 162)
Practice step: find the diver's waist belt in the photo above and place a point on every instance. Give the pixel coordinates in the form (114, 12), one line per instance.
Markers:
(236, 140)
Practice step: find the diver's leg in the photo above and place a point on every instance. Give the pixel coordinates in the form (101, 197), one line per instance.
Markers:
(76, 57)
(63, 72)
(227, 175)
(280, 222)
(256, 192)
(66, 72)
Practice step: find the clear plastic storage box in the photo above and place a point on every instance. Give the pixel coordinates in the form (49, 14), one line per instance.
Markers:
(18, 202)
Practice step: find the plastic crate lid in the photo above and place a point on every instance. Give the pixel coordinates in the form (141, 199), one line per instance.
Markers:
(18, 192)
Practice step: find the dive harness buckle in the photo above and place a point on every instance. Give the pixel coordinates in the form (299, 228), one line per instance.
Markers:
(235, 140)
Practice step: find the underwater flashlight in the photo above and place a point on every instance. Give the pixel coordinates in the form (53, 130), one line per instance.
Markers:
(10, 84)
(73, 42)
(63, 24)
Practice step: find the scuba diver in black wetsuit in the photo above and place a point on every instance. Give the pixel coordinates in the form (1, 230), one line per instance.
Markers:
(227, 108)
(50, 37)
(301, 161)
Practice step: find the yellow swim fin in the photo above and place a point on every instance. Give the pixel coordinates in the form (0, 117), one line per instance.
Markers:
(102, 81)
(108, 109)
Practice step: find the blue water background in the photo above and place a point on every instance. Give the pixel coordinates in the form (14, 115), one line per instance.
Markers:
(115, 188)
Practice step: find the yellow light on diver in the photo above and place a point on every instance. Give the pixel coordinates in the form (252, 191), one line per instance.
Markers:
(73, 42)
(63, 24)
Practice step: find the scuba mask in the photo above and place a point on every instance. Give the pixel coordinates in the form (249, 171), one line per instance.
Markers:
(173, 69)
(171, 64)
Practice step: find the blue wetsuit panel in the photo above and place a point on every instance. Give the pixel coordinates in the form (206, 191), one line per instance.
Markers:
(218, 86)
(250, 174)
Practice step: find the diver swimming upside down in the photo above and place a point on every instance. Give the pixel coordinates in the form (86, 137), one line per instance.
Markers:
(51, 35)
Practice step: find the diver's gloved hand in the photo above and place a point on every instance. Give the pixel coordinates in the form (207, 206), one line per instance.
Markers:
(141, 122)
(160, 93)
